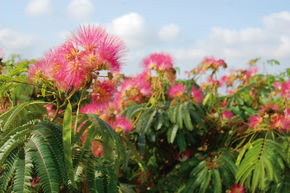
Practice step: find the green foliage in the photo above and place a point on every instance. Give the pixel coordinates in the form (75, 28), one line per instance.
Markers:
(41, 148)
(13, 80)
(177, 145)
(261, 164)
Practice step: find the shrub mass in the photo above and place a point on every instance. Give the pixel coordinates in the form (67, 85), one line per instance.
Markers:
(71, 122)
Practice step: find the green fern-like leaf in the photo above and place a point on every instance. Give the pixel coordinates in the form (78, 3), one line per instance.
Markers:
(22, 114)
(45, 165)
(8, 170)
(260, 160)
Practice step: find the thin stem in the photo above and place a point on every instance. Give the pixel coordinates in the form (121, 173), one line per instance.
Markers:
(77, 113)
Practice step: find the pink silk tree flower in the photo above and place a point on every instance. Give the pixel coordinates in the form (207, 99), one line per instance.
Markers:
(94, 108)
(89, 37)
(97, 148)
(158, 61)
(226, 115)
(254, 120)
(286, 89)
(110, 52)
(196, 94)
(211, 62)
(100, 47)
(236, 188)
(269, 107)
(72, 65)
(277, 86)
(280, 122)
(176, 90)
(35, 181)
(142, 81)
(103, 91)
(121, 123)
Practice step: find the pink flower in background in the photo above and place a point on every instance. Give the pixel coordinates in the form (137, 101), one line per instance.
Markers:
(159, 61)
(94, 108)
(280, 122)
(134, 89)
(278, 86)
(211, 62)
(50, 111)
(196, 94)
(226, 115)
(184, 155)
(286, 89)
(236, 188)
(254, 120)
(176, 90)
(122, 123)
(35, 181)
(223, 80)
(230, 92)
(1, 52)
(269, 107)
(142, 81)
(252, 71)
(103, 91)
(97, 148)
(213, 81)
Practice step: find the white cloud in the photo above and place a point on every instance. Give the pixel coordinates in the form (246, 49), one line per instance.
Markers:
(12, 42)
(284, 47)
(133, 29)
(81, 9)
(169, 32)
(278, 22)
(136, 32)
(38, 7)
(272, 40)
(63, 35)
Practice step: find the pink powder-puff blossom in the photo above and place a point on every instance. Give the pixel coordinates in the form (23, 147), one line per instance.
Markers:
(110, 52)
(134, 89)
(35, 181)
(184, 155)
(226, 115)
(252, 71)
(89, 37)
(236, 188)
(277, 86)
(211, 62)
(97, 148)
(95, 108)
(269, 107)
(196, 94)
(254, 120)
(223, 80)
(159, 61)
(72, 65)
(280, 122)
(176, 90)
(103, 91)
(121, 123)
(286, 89)
(102, 47)
(142, 81)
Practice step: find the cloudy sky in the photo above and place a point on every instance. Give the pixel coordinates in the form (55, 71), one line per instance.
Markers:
(235, 30)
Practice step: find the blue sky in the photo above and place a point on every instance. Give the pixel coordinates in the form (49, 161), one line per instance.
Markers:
(235, 30)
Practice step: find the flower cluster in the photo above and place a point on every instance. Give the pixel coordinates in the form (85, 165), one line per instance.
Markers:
(73, 64)
(158, 62)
